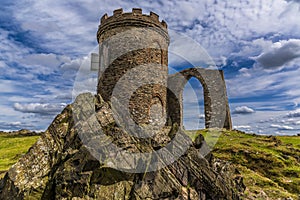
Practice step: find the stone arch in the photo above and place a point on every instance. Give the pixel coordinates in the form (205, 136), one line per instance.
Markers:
(216, 107)
(157, 110)
(156, 98)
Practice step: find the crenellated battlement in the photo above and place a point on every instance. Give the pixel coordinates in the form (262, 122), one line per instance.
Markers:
(136, 12)
(136, 18)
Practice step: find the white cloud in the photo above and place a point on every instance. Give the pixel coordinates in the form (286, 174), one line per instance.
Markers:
(10, 49)
(242, 127)
(2, 64)
(291, 121)
(71, 65)
(282, 85)
(184, 49)
(68, 27)
(216, 25)
(39, 108)
(15, 125)
(281, 127)
(296, 123)
(295, 113)
(66, 96)
(261, 121)
(282, 52)
(7, 86)
(243, 110)
(87, 85)
(43, 63)
(201, 116)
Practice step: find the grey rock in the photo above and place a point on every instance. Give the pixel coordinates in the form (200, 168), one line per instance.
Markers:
(59, 166)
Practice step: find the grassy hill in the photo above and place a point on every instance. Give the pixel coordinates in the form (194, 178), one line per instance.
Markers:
(12, 147)
(270, 165)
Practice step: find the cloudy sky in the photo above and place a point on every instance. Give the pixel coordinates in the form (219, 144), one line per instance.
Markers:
(45, 44)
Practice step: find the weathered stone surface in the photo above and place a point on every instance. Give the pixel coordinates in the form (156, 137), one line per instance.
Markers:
(217, 113)
(136, 45)
(133, 69)
(59, 166)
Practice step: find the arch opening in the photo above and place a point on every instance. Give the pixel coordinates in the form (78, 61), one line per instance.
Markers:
(193, 110)
(157, 112)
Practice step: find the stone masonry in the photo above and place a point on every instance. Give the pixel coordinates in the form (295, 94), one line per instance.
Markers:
(135, 44)
(133, 71)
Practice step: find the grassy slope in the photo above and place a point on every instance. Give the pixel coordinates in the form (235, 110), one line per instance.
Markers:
(12, 148)
(269, 164)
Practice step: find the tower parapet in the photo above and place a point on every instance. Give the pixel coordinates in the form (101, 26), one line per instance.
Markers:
(134, 19)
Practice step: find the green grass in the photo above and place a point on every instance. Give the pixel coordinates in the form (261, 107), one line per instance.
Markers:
(12, 148)
(268, 163)
(291, 140)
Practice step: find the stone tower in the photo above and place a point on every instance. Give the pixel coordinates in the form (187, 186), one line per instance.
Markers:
(133, 74)
(133, 57)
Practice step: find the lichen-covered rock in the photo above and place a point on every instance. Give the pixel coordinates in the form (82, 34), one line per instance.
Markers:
(60, 166)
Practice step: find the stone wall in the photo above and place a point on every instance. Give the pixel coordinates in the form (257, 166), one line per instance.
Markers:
(133, 72)
(217, 113)
(133, 50)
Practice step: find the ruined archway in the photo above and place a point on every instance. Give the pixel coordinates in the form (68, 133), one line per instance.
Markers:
(193, 105)
(216, 107)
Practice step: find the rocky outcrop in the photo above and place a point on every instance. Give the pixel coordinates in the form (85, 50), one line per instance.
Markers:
(61, 166)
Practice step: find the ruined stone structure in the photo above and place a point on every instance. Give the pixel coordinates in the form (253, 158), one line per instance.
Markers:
(217, 113)
(129, 40)
(86, 154)
(133, 68)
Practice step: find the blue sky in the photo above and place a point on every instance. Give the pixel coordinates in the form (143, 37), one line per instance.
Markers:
(45, 44)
